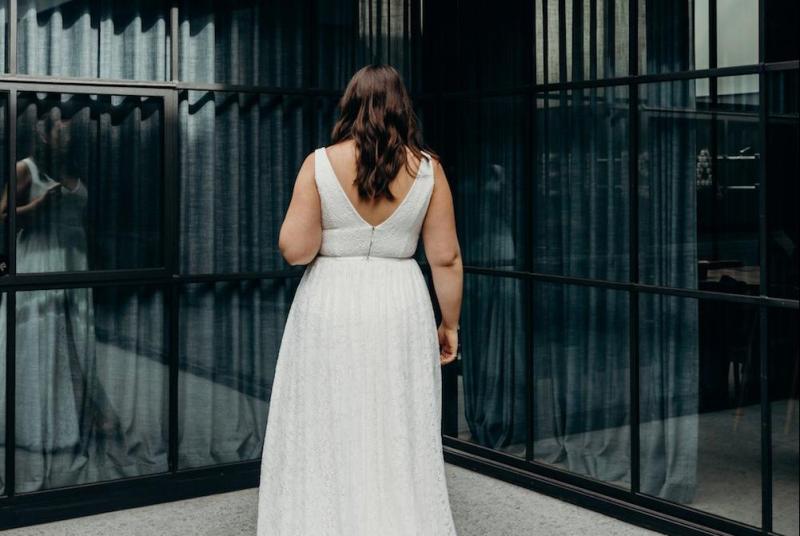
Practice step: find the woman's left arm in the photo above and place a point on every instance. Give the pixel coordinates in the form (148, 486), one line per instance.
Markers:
(301, 231)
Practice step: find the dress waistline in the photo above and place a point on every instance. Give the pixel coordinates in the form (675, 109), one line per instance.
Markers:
(363, 257)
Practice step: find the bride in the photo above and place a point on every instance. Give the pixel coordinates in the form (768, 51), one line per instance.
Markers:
(353, 444)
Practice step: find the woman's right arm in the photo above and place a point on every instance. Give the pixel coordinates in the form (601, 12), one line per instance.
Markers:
(444, 257)
(23, 189)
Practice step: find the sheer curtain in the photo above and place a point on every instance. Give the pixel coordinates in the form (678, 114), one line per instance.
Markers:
(580, 334)
(90, 362)
(489, 170)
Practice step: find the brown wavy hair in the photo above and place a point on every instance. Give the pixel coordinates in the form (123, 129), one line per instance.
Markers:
(376, 112)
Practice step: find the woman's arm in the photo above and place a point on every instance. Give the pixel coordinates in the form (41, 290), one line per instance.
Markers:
(23, 189)
(444, 256)
(301, 231)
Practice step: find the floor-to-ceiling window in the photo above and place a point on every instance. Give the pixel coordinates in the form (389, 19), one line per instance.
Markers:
(625, 176)
(152, 147)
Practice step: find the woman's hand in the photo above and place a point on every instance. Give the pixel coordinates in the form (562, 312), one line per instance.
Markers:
(448, 343)
(52, 192)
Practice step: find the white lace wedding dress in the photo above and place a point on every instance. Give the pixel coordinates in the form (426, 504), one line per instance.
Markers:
(353, 443)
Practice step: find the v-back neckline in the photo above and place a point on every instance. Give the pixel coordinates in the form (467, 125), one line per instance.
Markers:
(353, 207)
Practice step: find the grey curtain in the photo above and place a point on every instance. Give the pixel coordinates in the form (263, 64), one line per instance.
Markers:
(91, 362)
(489, 172)
(672, 139)
(580, 346)
(84, 38)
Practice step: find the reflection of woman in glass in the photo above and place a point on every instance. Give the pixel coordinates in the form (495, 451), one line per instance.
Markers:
(493, 362)
(57, 397)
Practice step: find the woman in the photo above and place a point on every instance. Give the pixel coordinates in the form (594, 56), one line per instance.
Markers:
(353, 443)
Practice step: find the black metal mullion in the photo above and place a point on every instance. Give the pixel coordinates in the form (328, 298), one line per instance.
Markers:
(171, 253)
(712, 34)
(633, 245)
(770, 301)
(764, 361)
(530, 194)
(10, 301)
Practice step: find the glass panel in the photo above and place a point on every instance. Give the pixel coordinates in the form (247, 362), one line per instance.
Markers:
(242, 42)
(590, 36)
(783, 168)
(485, 403)
(326, 115)
(581, 388)
(430, 125)
(784, 374)
(675, 172)
(384, 36)
(581, 207)
(700, 407)
(737, 32)
(486, 158)
(673, 36)
(781, 21)
(485, 36)
(91, 182)
(239, 156)
(728, 234)
(698, 185)
(3, 446)
(230, 334)
(86, 38)
(91, 385)
(3, 185)
(3, 33)
(3, 271)
(334, 33)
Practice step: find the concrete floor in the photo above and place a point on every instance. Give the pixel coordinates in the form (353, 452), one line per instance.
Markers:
(482, 506)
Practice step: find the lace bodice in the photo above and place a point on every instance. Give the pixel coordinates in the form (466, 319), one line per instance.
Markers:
(346, 233)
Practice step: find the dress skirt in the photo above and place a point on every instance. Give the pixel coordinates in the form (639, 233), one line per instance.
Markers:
(353, 437)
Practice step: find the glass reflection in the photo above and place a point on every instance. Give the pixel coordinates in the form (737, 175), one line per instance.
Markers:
(4, 185)
(3, 31)
(91, 385)
(485, 403)
(673, 36)
(698, 185)
(783, 168)
(239, 156)
(85, 38)
(88, 182)
(486, 159)
(51, 213)
(3, 446)
(737, 32)
(581, 194)
(230, 335)
(784, 388)
(594, 44)
(700, 405)
(581, 387)
(243, 42)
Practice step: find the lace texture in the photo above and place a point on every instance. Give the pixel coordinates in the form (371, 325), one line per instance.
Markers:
(353, 444)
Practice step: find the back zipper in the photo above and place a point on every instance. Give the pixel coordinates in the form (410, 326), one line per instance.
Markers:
(371, 234)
